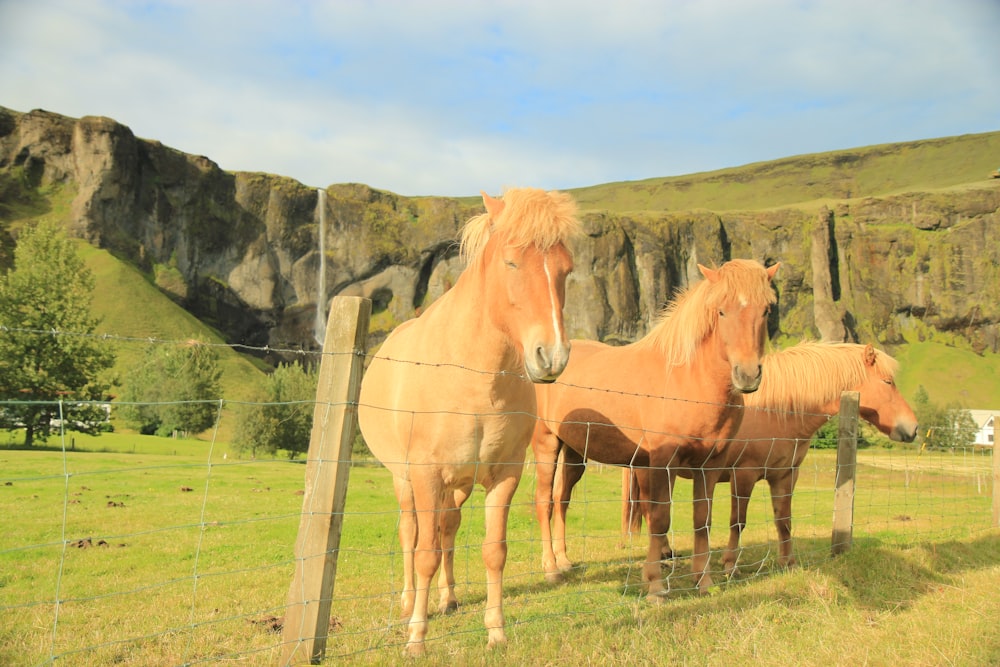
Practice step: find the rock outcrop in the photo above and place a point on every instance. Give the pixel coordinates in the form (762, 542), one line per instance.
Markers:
(241, 251)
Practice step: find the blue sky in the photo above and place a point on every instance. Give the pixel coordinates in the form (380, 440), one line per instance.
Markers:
(433, 97)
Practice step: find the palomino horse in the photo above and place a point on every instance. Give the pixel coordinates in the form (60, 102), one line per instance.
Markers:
(669, 401)
(448, 400)
(800, 391)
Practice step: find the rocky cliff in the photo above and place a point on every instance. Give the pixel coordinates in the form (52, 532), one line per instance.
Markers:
(241, 250)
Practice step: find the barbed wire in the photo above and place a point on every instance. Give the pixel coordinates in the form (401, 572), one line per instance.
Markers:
(368, 357)
(153, 340)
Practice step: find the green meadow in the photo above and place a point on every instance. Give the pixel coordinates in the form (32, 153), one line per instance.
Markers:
(146, 551)
(138, 550)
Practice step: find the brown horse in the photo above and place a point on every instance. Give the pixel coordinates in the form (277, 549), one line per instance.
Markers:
(800, 391)
(670, 401)
(448, 400)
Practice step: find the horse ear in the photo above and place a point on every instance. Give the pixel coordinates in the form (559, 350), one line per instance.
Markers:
(869, 355)
(493, 206)
(711, 275)
(773, 270)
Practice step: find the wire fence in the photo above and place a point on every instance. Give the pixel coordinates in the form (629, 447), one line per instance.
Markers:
(171, 551)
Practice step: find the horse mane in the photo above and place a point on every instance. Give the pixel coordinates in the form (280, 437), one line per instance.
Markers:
(530, 216)
(826, 369)
(693, 312)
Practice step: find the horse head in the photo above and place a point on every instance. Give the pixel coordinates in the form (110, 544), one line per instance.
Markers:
(881, 404)
(740, 293)
(526, 263)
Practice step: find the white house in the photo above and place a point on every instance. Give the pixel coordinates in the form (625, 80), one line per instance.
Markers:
(984, 427)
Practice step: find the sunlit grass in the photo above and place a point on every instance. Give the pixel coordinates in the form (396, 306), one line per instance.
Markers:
(197, 557)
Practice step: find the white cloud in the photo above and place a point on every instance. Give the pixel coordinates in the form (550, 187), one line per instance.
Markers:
(453, 97)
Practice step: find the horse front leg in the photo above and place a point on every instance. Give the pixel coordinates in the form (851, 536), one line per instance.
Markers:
(640, 505)
(569, 471)
(498, 499)
(451, 520)
(704, 488)
(546, 446)
(655, 488)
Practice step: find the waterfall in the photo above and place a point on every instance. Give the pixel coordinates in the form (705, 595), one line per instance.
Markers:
(319, 328)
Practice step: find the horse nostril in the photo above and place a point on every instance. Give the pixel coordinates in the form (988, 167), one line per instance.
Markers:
(542, 358)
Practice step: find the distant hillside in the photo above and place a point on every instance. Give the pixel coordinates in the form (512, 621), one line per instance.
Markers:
(821, 178)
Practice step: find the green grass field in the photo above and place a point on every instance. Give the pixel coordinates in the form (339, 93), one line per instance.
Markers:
(146, 551)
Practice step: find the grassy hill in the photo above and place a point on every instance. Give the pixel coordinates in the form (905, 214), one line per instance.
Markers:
(816, 178)
(950, 375)
(133, 311)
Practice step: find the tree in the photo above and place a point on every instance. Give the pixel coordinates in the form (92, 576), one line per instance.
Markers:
(827, 436)
(51, 365)
(281, 418)
(175, 389)
(950, 427)
(944, 427)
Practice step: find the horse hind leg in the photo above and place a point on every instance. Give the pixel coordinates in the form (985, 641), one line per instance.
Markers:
(741, 487)
(451, 520)
(498, 499)
(781, 503)
(407, 541)
(569, 471)
(546, 449)
(704, 487)
(427, 503)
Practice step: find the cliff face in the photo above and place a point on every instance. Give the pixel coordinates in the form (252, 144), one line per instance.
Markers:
(241, 250)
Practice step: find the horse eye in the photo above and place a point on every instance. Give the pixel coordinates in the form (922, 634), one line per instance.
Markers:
(510, 264)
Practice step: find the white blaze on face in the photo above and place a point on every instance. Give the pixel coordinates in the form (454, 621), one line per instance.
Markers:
(554, 301)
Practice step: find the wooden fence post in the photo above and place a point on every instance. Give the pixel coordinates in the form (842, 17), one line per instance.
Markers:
(307, 615)
(847, 460)
(996, 476)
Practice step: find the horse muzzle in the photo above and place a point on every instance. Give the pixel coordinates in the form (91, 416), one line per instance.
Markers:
(545, 362)
(904, 432)
(746, 382)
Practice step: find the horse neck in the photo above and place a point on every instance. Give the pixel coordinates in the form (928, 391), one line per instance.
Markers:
(472, 326)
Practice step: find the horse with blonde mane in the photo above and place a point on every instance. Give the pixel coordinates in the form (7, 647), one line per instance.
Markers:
(800, 391)
(447, 402)
(670, 401)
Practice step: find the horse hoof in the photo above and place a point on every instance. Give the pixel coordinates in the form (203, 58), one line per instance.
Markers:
(449, 607)
(554, 577)
(657, 598)
(415, 649)
(497, 638)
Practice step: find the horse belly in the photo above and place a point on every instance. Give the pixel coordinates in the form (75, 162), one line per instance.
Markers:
(601, 442)
(439, 417)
